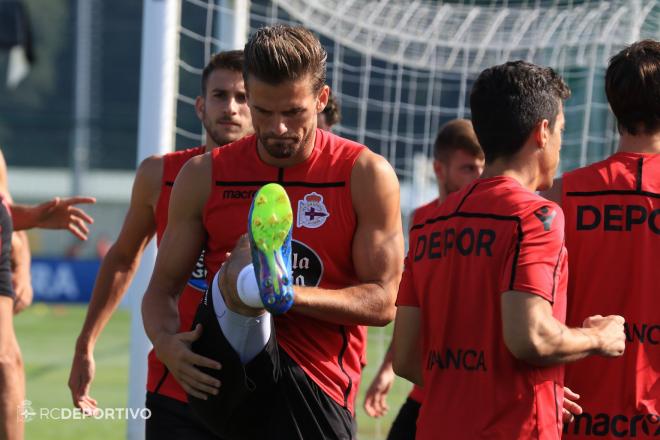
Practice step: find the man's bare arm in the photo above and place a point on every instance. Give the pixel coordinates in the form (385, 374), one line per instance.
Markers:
(115, 274)
(377, 252)
(375, 399)
(21, 260)
(177, 254)
(54, 214)
(532, 334)
(12, 378)
(57, 213)
(407, 357)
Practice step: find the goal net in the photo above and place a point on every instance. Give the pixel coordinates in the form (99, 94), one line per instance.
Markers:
(400, 69)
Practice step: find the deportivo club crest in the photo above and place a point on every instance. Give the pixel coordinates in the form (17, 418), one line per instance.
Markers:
(312, 213)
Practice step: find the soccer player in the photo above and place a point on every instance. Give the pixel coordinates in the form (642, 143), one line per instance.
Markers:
(330, 116)
(484, 286)
(297, 379)
(612, 211)
(458, 160)
(223, 110)
(16, 285)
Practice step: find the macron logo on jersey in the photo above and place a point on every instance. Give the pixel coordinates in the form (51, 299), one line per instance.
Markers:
(546, 216)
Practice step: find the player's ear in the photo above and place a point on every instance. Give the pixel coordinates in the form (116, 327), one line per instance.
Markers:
(199, 107)
(440, 171)
(322, 99)
(541, 133)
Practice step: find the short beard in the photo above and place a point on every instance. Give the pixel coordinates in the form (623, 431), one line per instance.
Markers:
(285, 150)
(214, 134)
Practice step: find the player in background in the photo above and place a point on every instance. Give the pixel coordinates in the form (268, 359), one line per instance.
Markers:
(457, 161)
(300, 381)
(16, 285)
(223, 110)
(612, 211)
(482, 300)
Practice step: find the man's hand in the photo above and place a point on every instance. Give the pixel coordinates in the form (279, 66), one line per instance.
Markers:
(610, 332)
(174, 351)
(375, 401)
(570, 407)
(80, 380)
(61, 214)
(236, 260)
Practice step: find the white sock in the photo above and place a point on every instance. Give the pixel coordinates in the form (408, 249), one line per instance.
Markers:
(248, 335)
(248, 290)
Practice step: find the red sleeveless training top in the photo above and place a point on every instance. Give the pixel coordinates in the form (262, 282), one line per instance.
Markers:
(158, 378)
(324, 224)
(612, 213)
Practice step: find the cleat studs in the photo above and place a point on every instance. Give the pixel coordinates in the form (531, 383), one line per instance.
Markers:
(268, 283)
(288, 297)
(285, 280)
(271, 300)
(282, 235)
(261, 199)
(273, 219)
(257, 222)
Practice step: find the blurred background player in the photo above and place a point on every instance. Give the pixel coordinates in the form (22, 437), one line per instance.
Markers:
(16, 285)
(612, 213)
(223, 110)
(457, 161)
(330, 116)
(483, 296)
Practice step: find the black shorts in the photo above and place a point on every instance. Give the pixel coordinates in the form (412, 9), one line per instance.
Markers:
(172, 419)
(404, 426)
(270, 397)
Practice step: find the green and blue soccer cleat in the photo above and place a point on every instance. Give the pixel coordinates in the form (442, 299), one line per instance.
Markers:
(269, 228)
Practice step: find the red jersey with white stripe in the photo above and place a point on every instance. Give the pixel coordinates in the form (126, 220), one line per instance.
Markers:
(158, 378)
(324, 224)
(613, 236)
(491, 237)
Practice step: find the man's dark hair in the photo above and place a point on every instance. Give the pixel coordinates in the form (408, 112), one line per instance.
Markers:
(331, 111)
(280, 53)
(229, 60)
(509, 100)
(456, 134)
(632, 84)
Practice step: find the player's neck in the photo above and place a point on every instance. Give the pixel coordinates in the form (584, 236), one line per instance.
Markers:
(643, 143)
(210, 144)
(442, 194)
(525, 172)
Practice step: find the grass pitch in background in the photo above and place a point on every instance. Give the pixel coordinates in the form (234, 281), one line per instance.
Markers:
(47, 337)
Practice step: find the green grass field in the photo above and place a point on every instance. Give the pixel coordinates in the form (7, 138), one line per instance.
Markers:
(47, 337)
